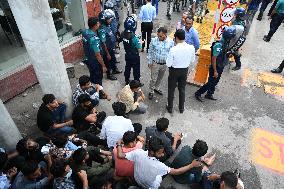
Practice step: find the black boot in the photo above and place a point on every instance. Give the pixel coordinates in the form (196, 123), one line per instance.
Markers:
(266, 38)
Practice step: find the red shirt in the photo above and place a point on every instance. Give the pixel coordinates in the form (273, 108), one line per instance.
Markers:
(124, 167)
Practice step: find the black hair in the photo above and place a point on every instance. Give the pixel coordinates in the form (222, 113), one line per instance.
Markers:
(48, 98)
(29, 168)
(79, 156)
(149, 0)
(155, 144)
(129, 137)
(101, 182)
(92, 22)
(84, 98)
(190, 17)
(162, 29)
(230, 179)
(21, 147)
(180, 34)
(162, 124)
(57, 168)
(83, 80)
(60, 141)
(3, 160)
(134, 84)
(119, 108)
(199, 148)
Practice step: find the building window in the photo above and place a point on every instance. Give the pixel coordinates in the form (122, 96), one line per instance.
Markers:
(68, 17)
(13, 53)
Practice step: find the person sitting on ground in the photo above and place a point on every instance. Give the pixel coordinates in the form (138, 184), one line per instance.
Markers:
(132, 96)
(123, 167)
(6, 176)
(170, 142)
(95, 92)
(227, 180)
(186, 156)
(62, 174)
(85, 115)
(115, 126)
(148, 170)
(51, 116)
(31, 176)
(82, 161)
(104, 182)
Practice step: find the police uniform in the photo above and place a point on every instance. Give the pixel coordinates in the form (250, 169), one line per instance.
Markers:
(109, 38)
(91, 44)
(131, 45)
(240, 26)
(217, 51)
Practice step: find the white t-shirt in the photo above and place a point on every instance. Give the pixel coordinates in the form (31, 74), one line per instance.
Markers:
(113, 129)
(148, 171)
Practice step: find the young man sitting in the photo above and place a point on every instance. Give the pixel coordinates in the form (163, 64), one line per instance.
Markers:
(115, 126)
(51, 116)
(148, 170)
(186, 156)
(170, 142)
(123, 167)
(132, 96)
(86, 87)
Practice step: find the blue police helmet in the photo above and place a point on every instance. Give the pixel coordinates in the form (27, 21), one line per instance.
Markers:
(130, 24)
(104, 16)
(109, 5)
(240, 12)
(229, 32)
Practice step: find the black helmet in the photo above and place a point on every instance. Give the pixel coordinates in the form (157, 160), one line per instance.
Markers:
(104, 16)
(229, 32)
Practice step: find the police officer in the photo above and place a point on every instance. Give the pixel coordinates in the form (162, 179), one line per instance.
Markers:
(263, 6)
(132, 47)
(239, 21)
(92, 49)
(277, 18)
(218, 60)
(108, 43)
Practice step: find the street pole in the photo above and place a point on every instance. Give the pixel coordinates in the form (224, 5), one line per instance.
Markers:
(9, 133)
(35, 22)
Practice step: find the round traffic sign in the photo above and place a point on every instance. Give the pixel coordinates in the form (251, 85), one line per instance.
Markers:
(227, 14)
(231, 2)
(220, 30)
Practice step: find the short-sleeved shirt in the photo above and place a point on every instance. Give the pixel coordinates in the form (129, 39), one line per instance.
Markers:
(102, 35)
(23, 183)
(280, 7)
(4, 181)
(78, 116)
(136, 42)
(124, 167)
(44, 118)
(148, 171)
(184, 158)
(94, 40)
(239, 22)
(217, 49)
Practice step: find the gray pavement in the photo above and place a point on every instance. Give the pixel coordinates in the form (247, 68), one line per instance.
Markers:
(226, 125)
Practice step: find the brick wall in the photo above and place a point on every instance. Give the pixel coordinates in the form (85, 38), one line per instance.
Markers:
(19, 81)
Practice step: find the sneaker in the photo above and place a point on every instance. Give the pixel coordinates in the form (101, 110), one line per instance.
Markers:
(236, 68)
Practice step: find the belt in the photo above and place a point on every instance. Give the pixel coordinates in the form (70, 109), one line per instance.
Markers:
(160, 63)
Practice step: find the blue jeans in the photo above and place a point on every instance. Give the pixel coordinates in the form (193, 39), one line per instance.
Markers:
(276, 21)
(155, 3)
(66, 130)
(194, 176)
(207, 184)
(59, 113)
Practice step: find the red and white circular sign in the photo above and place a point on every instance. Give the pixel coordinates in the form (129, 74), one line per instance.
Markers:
(231, 2)
(220, 30)
(227, 14)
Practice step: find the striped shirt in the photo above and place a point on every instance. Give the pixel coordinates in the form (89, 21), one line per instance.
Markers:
(147, 13)
(159, 50)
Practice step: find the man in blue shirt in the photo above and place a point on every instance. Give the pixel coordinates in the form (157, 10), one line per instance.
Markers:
(147, 15)
(191, 34)
(277, 18)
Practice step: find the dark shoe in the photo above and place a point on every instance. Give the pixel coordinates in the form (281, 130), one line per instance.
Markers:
(181, 111)
(142, 50)
(111, 77)
(259, 17)
(236, 68)
(210, 97)
(198, 97)
(117, 71)
(266, 38)
(277, 70)
(237, 172)
(147, 50)
(158, 91)
(151, 95)
(170, 110)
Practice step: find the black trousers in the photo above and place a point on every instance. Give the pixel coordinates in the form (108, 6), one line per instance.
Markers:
(272, 7)
(212, 82)
(132, 62)
(177, 78)
(146, 30)
(276, 21)
(110, 64)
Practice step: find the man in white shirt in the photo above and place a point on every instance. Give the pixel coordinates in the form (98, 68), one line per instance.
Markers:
(148, 170)
(178, 60)
(115, 126)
